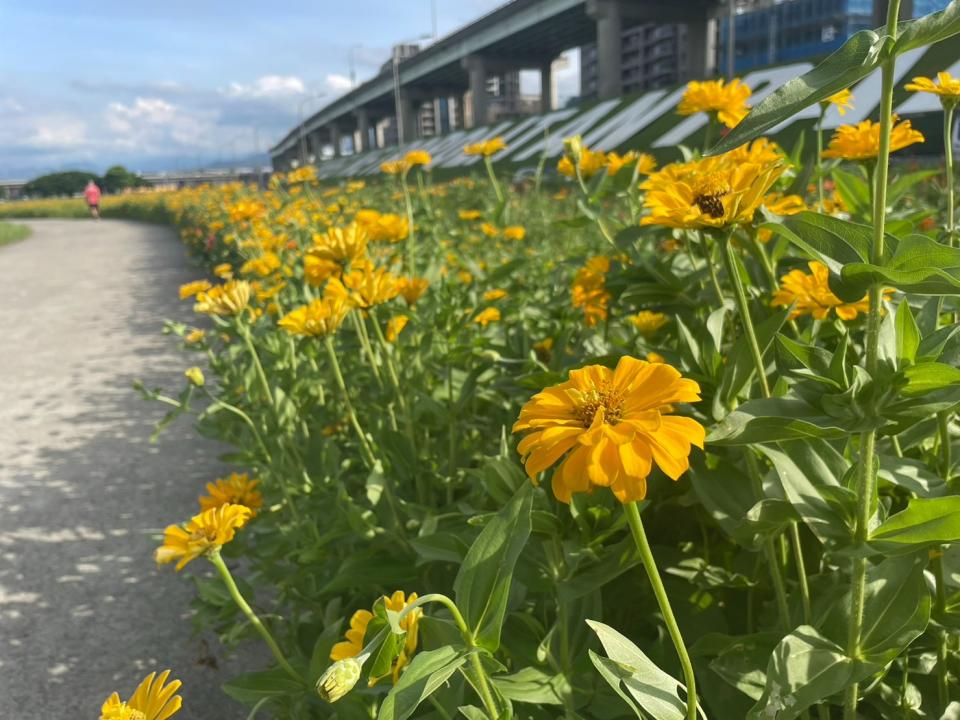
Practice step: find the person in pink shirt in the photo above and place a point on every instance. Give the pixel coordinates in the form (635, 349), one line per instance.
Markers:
(92, 194)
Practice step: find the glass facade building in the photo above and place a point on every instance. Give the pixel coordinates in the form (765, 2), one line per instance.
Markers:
(780, 31)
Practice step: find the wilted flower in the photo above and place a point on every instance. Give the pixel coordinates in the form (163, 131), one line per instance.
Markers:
(395, 326)
(192, 288)
(412, 288)
(609, 427)
(195, 376)
(468, 214)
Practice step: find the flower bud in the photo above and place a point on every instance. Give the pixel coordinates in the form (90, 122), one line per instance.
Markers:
(195, 376)
(338, 679)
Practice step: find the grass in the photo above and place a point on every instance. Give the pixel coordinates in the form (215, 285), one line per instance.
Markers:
(11, 233)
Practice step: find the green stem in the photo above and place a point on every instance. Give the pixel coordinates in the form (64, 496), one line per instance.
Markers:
(498, 191)
(867, 472)
(951, 180)
(707, 250)
(367, 347)
(650, 565)
(740, 294)
(823, 112)
(411, 234)
(261, 375)
(940, 609)
(351, 413)
(769, 550)
(221, 567)
(801, 572)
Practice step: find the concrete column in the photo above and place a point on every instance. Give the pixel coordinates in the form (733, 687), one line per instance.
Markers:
(408, 115)
(335, 139)
(479, 102)
(608, 15)
(363, 128)
(546, 87)
(701, 49)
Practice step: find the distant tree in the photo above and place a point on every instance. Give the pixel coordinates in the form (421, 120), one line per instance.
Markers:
(118, 178)
(59, 184)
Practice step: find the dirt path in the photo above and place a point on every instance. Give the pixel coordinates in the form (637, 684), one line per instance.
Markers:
(83, 609)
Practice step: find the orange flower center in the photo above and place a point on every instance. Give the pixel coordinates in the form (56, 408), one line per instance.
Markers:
(604, 399)
(708, 194)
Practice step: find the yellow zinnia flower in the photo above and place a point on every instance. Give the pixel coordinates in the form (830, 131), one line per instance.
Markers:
(727, 100)
(195, 376)
(647, 323)
(364, 288)
(223, 271)
(843, 100)
(515, 232)
(713, 192)
(262, 266)
(780, 204)
(609, 427)
(487, 316)
(356, 635)
(862, 141)
(341, 245)
(486, 148)
(493, 295)
(235, 489)
(468, 214)
(591, 162)
(192, 288)
(811, 295)
(417, 157)
(154, 699)
(489, 229)
(205, 533)
(412, 289)
(395, 326)
(319, 318)
(646, 164)
(394, 167)
(616, 162)
(946, 86)
(194, 336)
(589, 290)
(317, 270)
(231, 298)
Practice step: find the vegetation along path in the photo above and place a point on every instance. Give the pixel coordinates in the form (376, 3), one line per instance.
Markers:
(83, 494)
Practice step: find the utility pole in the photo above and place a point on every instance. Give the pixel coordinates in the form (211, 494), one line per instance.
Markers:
(732, 40)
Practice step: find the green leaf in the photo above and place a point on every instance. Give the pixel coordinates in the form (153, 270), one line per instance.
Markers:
(928, 30)
(915, 264)
(855, 59)
(743, 662)
(925, 377)
(614, 561)
(853, 190)
(912, 475)
(531, 685)
(251, 688)
(805, 668)
(774, 419)
(832, 241)
(807, 470)
(653, 690)
(926, 521)
(482, 585)
(741, 369)
(428, 671)
(908, 334)
(896, 609)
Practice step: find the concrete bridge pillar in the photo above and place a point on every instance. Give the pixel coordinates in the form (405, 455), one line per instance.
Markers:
(476, 68)
(546, 86)
(335, 139)
(408, 116)
(701, 48)
(363, 128)
(608, 15)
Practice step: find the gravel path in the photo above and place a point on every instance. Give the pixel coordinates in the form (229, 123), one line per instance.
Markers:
(83, 609)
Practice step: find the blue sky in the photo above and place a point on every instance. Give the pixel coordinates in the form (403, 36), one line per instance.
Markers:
(172, 84)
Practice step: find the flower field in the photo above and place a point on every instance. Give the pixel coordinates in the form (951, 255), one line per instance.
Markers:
(669, 441)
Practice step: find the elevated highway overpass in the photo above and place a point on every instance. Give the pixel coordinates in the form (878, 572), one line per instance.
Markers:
(523, 34)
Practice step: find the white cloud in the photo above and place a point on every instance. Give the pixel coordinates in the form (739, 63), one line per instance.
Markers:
(268, 86)
(10, 105)
(150, 123)
(144, 111)
(338, 83)
(57, 131)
